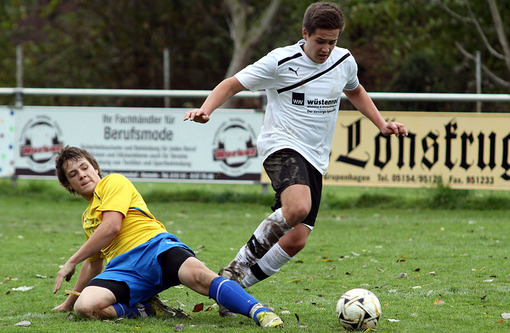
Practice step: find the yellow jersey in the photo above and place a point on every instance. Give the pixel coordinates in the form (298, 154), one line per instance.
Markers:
(116, 193)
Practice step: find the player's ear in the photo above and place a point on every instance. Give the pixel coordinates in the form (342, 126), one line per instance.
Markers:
(305, 34)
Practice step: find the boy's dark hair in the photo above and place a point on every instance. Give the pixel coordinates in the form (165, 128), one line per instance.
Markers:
(323, 15)
(72, 154)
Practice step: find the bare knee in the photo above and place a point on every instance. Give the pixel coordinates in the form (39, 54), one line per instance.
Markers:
(196, 276)
(296, 213)
(295, 240)
(292, 248)
(95, 302)
(84, 310)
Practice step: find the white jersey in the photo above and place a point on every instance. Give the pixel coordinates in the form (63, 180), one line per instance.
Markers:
(303, 99)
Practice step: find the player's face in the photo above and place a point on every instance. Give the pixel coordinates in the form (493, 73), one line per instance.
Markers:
(318, 46)
(82, 176)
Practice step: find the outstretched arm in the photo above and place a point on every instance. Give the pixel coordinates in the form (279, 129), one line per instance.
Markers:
(88, 271)
(223, 91)
(361, 101)
(102, 236)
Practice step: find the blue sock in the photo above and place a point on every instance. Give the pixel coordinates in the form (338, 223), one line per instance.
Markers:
(231, 295)
(130, 312)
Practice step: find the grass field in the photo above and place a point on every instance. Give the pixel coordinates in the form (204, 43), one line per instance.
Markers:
(453, 247)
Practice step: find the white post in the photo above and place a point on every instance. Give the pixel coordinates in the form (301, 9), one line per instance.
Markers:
(19, 75)
(478, 79)
(166, 74)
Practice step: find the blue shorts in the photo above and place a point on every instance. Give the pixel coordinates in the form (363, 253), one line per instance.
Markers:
(140, 269)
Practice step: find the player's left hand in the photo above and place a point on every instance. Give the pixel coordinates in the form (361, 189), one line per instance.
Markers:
(65, 273)
(393, 127)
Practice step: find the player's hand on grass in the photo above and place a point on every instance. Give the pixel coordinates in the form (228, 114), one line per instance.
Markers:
(197, 115)
(65, 273)
(66, 306)
(393, 127)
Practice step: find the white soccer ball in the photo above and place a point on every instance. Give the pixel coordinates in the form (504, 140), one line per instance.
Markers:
(358, 309)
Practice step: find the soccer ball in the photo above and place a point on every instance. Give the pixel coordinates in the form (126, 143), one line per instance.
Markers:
(358, 309)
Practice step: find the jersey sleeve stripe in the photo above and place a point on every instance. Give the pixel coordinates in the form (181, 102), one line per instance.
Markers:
(311, 78)
(281, 62)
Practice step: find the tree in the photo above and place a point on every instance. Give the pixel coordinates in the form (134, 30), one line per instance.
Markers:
(247, 25)
(495, 42)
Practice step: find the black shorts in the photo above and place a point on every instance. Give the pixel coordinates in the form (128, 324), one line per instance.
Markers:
(170, 262)
(287, 167)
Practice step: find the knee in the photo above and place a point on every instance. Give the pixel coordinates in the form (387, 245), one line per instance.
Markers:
(296, 213)
(195, 275)
(88, 309)
(295, 246)
(83, 310)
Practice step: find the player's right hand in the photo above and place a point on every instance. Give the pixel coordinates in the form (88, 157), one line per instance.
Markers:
(196, 115)
(65, 273)
(64, 307)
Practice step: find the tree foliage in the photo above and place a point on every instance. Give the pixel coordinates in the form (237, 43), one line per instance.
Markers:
(402, 46)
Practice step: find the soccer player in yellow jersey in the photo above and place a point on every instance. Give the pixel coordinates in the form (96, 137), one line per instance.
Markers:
(142, 258)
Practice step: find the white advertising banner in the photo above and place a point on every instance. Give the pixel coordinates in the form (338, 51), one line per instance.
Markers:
(6, 142)
(141, 143)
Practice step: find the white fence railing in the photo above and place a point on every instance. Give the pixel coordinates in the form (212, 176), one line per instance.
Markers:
(429, 97)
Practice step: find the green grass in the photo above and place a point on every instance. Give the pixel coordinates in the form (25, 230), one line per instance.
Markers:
(453, 246)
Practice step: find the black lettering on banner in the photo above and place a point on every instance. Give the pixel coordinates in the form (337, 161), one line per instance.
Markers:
(481, 151)
(412, 150)
(505, 163)
(377, 161)
(425, 145)
(353, 141)
(451, 129)
(465, 139)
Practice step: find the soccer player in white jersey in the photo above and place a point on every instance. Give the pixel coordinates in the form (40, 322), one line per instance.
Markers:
(303, 83)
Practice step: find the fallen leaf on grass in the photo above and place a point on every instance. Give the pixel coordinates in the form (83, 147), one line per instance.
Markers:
(430, 293)
(198, 307)
(505, 315)
(402, 275)
(393, 320)
(24, 323)
(285, 312)
(489, 280)
(23, 288)
(178, 328)
(439, 302)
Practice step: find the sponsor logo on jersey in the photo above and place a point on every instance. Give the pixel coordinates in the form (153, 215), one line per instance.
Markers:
(298, 98)
(294, 70)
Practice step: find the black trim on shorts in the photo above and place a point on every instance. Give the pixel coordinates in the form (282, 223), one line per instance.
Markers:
(119, 288)
(170, 262)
